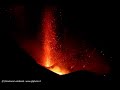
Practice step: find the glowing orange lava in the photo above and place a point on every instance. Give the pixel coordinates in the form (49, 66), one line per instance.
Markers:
(60, 55)
(49, 42)
(58, 70)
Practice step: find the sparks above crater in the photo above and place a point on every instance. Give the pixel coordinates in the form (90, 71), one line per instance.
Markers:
(50, 43)
(64, 57)
(70, 59)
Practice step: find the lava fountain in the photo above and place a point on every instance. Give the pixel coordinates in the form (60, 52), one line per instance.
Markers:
(50, 42)
(71, 57)
(67, 61)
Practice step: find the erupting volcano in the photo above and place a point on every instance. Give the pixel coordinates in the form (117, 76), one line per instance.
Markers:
(49, 39)
(50, 53)
(64, 57)
(64, 62)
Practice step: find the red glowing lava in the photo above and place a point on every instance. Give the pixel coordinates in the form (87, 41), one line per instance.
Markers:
(48, 53)
(50, 42)
(65, 62)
